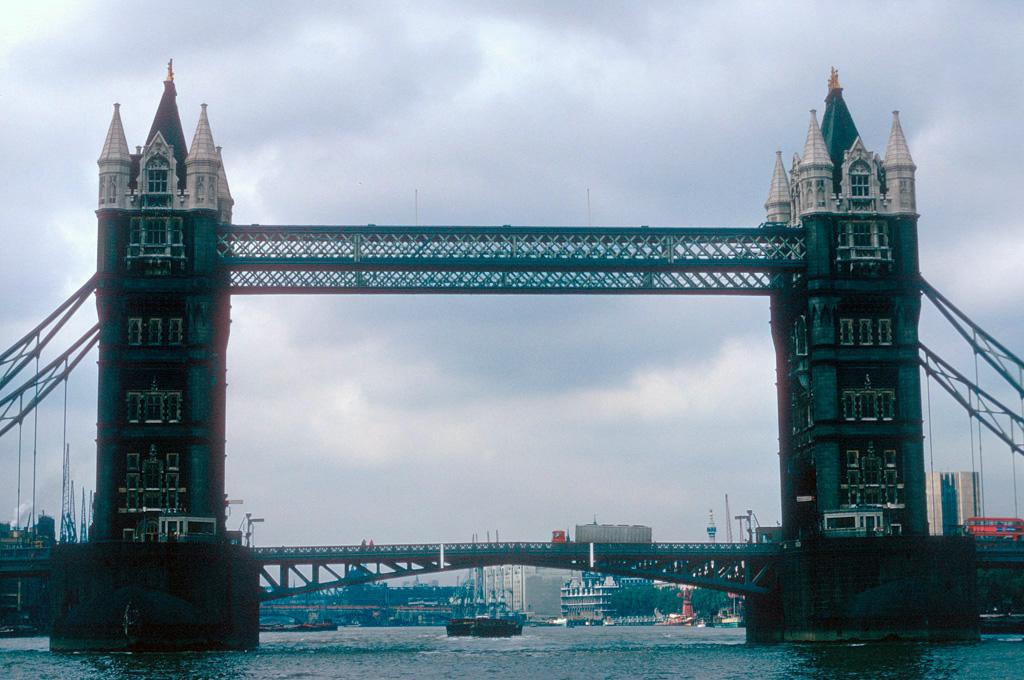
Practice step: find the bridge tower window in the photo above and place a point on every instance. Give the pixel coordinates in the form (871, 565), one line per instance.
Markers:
(156, 175)
(158, 242)
(800, 336)
(846, 331)
(174, 331)
(869, 403)
(864, 240)
(871, 478)
(154, 406)
(885, 331)
(156, 331)
(865, 332)
(135, 331)
(860, 180)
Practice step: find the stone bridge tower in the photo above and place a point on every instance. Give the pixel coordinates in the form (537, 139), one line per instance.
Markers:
(858, 563)
(846, 335)
(160, 571)
(164, 311)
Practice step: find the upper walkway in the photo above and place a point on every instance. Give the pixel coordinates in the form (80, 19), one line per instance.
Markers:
(405, 259)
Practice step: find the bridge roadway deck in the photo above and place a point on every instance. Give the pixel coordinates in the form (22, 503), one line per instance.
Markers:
(720, 565)
(736, 567)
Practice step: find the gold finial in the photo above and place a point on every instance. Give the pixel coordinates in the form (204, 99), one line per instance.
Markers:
(170, 72)
(833, 80)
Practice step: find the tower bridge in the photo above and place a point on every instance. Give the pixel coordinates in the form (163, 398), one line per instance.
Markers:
(836, 256)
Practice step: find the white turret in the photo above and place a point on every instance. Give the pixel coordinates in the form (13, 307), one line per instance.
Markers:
(115, 163)
(899, 171)
(202, 166)
(813, 178)
(779, 203)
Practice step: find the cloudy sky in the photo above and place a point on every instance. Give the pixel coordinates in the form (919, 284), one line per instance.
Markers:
(426, 418)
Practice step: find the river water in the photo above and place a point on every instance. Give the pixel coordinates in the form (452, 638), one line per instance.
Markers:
(590, 653)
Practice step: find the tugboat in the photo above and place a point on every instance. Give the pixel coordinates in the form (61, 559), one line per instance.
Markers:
(483, 626)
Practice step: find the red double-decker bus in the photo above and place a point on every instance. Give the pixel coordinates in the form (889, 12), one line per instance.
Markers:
(1006, 528)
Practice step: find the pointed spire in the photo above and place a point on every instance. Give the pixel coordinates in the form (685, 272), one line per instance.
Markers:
(168, 123)
(837, 128)
(115, 148)
(778, 203)
(897, 153)
(815, 151)
(203, 148)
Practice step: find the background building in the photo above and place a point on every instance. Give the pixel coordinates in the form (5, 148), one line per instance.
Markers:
(587, 596)
(542, 598)
(952, 498)
(612, 533)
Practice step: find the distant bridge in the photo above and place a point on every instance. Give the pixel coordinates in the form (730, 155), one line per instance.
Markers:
(293, 570)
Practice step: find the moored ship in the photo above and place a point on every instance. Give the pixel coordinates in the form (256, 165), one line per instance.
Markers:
(483, 626)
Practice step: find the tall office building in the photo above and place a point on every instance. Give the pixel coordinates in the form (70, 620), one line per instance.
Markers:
(952, 498)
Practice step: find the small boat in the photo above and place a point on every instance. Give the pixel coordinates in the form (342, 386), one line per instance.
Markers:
(298, 627)
(677, 620)
(19, 630)
(731, 621)
(483, 626)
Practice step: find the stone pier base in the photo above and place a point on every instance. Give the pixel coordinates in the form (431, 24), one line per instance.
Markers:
(153, 596)
(886, 588)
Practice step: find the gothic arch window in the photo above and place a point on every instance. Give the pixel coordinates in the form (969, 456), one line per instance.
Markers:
(860, 180)
(157, 170)
(820, 190)
(112, 189)
(200, 187)
(800, 336)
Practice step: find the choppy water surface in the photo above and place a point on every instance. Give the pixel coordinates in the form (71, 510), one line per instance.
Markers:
(594, 653)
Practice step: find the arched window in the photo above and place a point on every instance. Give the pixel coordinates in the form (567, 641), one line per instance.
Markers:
(800, 336)
(156, 175)
(860, 179)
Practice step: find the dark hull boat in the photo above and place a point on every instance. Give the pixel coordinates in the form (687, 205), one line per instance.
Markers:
(483, 627)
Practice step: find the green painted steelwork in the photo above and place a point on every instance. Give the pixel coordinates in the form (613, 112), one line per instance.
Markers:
(397, 259)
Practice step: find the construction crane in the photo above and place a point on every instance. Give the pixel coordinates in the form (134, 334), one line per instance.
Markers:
(68, 531)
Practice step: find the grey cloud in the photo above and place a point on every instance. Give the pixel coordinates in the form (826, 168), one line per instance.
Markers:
(500, 114)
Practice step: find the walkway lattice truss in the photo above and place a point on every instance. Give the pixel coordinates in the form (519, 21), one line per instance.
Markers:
(283, 259)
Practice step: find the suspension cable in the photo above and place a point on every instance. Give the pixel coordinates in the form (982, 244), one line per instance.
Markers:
(35, 449)
(67, 461)
(17, 519)
(970, 424)
(1016, 512)
(981, 452)
(931, 455)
